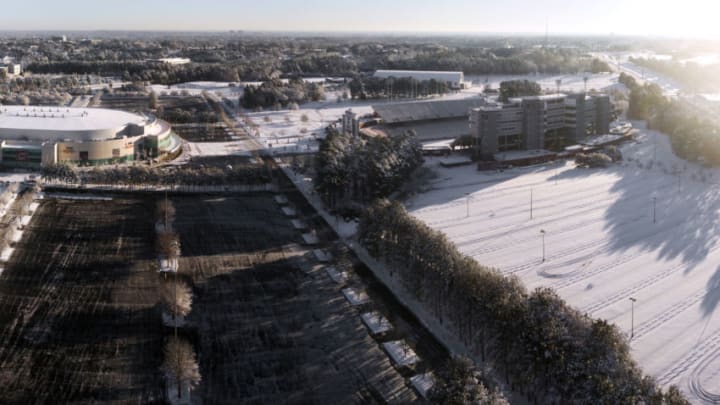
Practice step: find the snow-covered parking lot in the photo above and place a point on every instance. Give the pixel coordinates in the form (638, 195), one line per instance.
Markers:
(635, 230)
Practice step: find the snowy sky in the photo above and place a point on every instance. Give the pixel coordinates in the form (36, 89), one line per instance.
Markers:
(688, 18)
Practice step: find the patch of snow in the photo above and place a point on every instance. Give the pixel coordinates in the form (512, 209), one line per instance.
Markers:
(401, 353)
(340, 277)
(310, 238)
(423, 383)
(377, 323)
(355, 298)
(322, 256)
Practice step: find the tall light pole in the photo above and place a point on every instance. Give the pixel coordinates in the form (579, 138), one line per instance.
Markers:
(531, 203)
(654, 148)
(467, 205)
(632, 317)
(542, 232)
(654, 200)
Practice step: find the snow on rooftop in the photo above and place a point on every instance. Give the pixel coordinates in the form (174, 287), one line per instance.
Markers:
(322, 256)
(289, 212)
(521, 154)
(310, 238)
(299, 224)
(337, 276)
(68, 119)
(600, 139)
(355, 297)
(281, 199)
(423, 383)
(376, 322)
(401, 353)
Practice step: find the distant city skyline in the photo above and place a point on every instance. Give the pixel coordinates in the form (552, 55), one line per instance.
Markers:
(690, 18)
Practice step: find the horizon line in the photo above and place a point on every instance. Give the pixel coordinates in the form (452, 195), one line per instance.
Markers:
(412, 33)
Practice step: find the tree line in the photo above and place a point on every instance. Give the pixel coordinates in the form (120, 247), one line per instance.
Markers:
(498, 61)
(354, 169)
(546, 349)
(276, 93)
(364, 87)
(694, 76)
(518, 88)
(692, 137)
(145, 175)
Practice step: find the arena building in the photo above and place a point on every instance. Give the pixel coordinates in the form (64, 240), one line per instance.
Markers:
(35, 136)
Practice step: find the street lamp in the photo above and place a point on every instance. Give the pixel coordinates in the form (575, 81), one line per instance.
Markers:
(531, 203)
(654, 148)
(542, 232)
(632, 317)
(467, 205)
(654, 201)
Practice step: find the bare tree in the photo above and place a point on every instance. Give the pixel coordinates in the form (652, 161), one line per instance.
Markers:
(180, 364)
(168, 245)
(166, 211)
(176, 297)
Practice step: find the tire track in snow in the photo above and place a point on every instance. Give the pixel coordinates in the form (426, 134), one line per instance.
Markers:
(695, 384)
(709, 346)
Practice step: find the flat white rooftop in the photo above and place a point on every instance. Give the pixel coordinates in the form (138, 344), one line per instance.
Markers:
(65, 119)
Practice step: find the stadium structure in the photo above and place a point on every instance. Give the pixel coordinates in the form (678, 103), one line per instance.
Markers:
(431, 120)
(35, 136)
(454, 80)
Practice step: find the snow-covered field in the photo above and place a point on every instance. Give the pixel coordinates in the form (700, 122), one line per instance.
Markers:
(196, 88)
(630, 231)
(286, 132)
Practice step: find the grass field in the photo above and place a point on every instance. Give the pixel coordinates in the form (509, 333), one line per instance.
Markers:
(78, 315)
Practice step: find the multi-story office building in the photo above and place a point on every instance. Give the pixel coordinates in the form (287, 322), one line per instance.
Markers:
(539, 122)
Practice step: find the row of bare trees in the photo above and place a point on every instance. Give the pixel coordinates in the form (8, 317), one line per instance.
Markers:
(22, 202)
(547, 349)
(180, 363)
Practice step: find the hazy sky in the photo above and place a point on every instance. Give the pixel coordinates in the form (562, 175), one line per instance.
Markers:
(687, 18)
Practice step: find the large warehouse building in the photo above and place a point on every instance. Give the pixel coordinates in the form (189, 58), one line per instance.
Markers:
(35, 136)
(537, 122)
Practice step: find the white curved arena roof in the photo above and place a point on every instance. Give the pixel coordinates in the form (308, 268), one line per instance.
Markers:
(64, 122)
(65, 118)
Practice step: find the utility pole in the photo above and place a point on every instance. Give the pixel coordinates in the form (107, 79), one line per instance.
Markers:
(632, 317)
(542, 232)
(531, 203)
(654, 200)
(654, 148)
(467, 204)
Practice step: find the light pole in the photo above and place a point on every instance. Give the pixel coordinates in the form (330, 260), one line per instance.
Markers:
(467, 205)
(654, 148)
(531, 203)
(542, 232)
(654, 200)
(632, 317)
